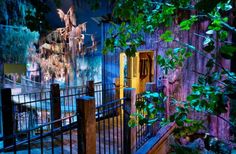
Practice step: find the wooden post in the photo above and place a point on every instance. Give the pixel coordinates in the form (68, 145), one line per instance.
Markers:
(55, 105)
(129, 137)
(151, 86)
(117, 93)
(90, 88)
(166, 92)
(7, 117)
(117, 86)
(87, 125)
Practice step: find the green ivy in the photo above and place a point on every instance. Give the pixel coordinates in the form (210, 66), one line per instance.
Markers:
(215, 86)
(187, 24)
(167, 36)
(173, 58)
(147, 109)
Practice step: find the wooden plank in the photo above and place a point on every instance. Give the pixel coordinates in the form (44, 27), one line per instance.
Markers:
(155, 143)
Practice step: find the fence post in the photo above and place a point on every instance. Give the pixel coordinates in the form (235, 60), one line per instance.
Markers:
(117, 92)
(55, 105)
(129, 137)
(7, 117)
(117, 87)
(86, 125)
(90, 88)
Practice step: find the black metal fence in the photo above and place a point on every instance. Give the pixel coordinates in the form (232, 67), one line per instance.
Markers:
(145, 132)
(110, 131)
(31, 110)
(35, 115)
(68, 98)
(105, 92)
(35, 109)
(62, 139)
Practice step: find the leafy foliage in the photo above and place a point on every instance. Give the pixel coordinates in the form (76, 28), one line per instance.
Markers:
(215, 86)
(30, 13)
(136, 17)
(227, 51)
(174, 58)
(167, 36)
(36, 16)
(147, 109)
(187, 24)
(14, 44)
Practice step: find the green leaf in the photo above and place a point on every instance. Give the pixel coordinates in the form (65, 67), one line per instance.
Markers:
(209, 46)
(187, 24)
(167, 36)
(210, 63)
(227, 51)
(188, 54)
(223, 35)
(130, 52)
(132, 123)
(210, 32)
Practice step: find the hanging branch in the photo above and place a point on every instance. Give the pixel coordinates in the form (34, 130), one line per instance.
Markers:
(204, 55)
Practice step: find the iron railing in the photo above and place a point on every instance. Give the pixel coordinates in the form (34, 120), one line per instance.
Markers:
(31, 110)
(33, 126)
(68, 98)
(63, 139)
(34, 109)
(104, 93)
(110, 117)
(145, 132)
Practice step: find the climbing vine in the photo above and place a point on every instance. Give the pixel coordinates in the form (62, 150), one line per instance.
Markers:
(215, 86)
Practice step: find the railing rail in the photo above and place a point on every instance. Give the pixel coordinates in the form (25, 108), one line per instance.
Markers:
(34, 109)
(110, 127)
(145, 132)
(38, 142)
(43, 116)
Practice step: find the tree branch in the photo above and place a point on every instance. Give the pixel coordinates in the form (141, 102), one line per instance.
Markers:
(204, 55)
(227, 121)
(228, 27)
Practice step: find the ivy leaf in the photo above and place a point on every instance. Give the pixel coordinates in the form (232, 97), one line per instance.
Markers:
(210, 32)
(130, 52)
(216, 24)
(188, 54)
(208, 45)
(223, 35)
(160, 60)
(224, 6)
(167, 36)
(187, 24)
(227, 51)
(132, 123)
(210, 63)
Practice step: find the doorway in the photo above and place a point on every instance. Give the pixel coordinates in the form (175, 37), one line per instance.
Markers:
(136, 71)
